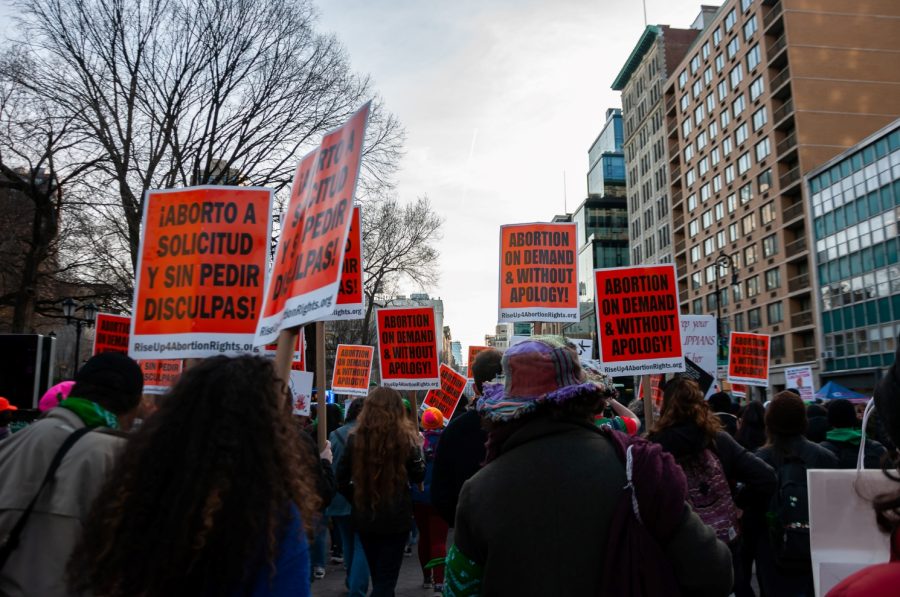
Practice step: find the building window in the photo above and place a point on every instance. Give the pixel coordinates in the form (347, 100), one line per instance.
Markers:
(738, 105)
(720, 211)
(709, 246)
(770, 246)
(714, 156)
(707, 76)
(729, 174)
(733, 232)
(701, 142)
(762, 150)
(741, 134)
(706, 218)
(753, 320)
(720, 239)
(776, 347)
(745, 4)
(695, 257)
(695, 64)
(752, 286)
(682, 79)
(743, 163)
(717, 183)
(686, 127)
(746, 192)
(704, 51)
(698, 307)
(764, 181)
(736, 76)
(767, 213)
(689, 152)
(756, 88)
(711, 274)
(773, 279)
(698, 115)
(748, 223)
(711, 105)
(711, 302)
(734, 45)
(750, 255)
(702, 165)
(704, 192)
(737, 292)
(690, 177)
(749, 28)
(753, 58)
(693, 228)
(696, 88)
(760, 118)
(713, 130)
(726, 146)
(732, 203)
(730, 20)
(720, 62)
(692, 202)
(717, 36)
(722, 90)
(685, 102)
(696, 279)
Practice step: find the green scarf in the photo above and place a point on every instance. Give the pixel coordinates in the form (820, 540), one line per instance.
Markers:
(91, 413)
(462, 576)
(845, 434)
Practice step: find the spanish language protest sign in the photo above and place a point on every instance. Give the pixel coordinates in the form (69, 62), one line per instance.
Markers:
(447, 396)
(301, 383)
(201, 272)
(111, 333)
(159, 374)
(306, 273)
(699, 342)
(638, 318)
(351, 299)
(538, 272)
(352, 368)
(800, 379)
(748, 359)
(473, 352)
(407, 348)
(298, 361)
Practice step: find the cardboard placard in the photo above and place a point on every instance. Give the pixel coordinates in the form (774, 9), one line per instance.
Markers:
(301, 383)
(352, 369)
(699, 342)
(305, 278)
(800, 379)
(473, 352)
(160, 374)
(351, 300)
(748, 359)
(738, 390)
(703, 378)
(201, 271)
(539, 273)
(447, 396)
(111, 333)
(656, 391)
(639, 320)
(298, 362)
(407, 348)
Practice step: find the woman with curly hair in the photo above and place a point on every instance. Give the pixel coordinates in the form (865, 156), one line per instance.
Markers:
(211, 496)
(383, 456)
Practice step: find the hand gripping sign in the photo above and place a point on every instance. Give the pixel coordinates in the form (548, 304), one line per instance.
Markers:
(407, 348)
(538, 273)
(111, 333)
(748, 359)
(638, 318)
(305, 278)
(351, 301)
(352, 368)
(447, 396)
(201, 271)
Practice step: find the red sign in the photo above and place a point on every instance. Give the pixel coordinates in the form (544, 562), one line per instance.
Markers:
(352, 368)
(111, 333)
(305, 277)
(160, 375)
(200, 273)
(539, 272)
(639, 320)
(473, 352)
(748, 359)
(351, 300)
(407, 348)
(298, 363)
(656, 392)
(447, 396)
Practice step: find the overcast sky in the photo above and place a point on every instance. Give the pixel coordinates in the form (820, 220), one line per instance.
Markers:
(499, 98)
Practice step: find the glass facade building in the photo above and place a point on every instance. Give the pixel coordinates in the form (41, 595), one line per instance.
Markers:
(855, 200)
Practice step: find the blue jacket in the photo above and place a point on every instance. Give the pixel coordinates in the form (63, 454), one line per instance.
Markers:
(291, 575)
(339, 506)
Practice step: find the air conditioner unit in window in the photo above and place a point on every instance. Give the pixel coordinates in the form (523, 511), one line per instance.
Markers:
(827, 354)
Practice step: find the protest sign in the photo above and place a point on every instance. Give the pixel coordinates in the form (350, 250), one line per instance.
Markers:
(301, 383)
(447, 396)
(305, 277)
(201, 271)
(350, 298)
(111, 333)
(699, 343)
(352, 368)
(407, 348)
(159, 375)
(298, 361)
(585, 347)
(738, 390)
(704, 379)
(656, 391)
(748, 359)
(638, 317)
(473, 352)
(800, 379)
(538, 273)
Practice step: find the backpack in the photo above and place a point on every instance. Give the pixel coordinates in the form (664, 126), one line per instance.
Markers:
(788, 516)
(709, 494)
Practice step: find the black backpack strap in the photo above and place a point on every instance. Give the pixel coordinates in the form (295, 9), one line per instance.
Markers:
(12, 540)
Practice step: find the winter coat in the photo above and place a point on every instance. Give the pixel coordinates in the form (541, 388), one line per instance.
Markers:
(325, 483)
(812, 455)
(432, 440)
(844, 443)
(537, 518)
(339, 505)
(458, 457)
(38, 565)
(393, 517)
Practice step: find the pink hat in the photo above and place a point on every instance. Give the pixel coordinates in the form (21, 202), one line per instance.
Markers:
(55, 395)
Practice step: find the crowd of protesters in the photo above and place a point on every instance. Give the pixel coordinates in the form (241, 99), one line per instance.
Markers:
(550, 484)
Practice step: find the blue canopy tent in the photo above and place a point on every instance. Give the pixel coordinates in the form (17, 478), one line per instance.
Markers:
(834, 391)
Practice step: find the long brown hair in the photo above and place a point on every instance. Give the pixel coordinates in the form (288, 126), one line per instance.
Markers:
(200, 499)
(683, 403)
(382, 440)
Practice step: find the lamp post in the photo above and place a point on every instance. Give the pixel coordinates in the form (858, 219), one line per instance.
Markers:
(723, 261)
(90, 316)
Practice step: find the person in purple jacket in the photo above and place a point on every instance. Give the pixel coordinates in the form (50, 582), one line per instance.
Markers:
(211, 496)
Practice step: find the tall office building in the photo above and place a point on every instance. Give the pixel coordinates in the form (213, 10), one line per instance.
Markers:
(768, 91)
(642, 81)
(855, 205)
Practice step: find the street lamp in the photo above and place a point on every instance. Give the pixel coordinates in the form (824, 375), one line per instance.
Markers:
(90, 316)
(723, 261)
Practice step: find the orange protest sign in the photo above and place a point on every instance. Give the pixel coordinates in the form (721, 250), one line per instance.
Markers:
(447, 396)
(305, 278)
(748, 359)
(538, 272)
(407, 348)
(111, 333)
(298, 363)
(352, 368)
(656, 392)
(473, 352)
(159, 375)
(200, 273)
(638, 318)
(351, 300)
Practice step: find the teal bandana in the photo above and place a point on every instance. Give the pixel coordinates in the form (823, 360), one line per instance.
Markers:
(91, 413)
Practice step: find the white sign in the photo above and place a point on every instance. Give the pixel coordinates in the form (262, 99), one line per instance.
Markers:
(700, 343)
(301, 391)
(585, 347)
(800, 379)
